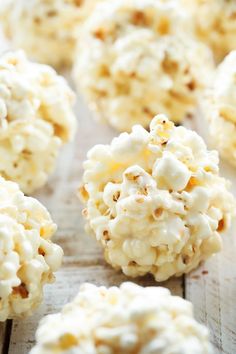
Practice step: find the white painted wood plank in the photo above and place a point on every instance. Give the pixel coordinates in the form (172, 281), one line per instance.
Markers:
(83, 260)
(212, 287)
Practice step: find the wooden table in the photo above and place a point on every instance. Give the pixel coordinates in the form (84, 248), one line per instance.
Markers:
(211, 288)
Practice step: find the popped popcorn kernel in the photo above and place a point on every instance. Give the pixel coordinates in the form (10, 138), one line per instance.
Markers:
(36, 119)
(156, 208)
(137, 58)
(27, 258)
(129, 319)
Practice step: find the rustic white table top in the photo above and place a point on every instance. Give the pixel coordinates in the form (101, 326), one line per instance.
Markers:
(211, 288)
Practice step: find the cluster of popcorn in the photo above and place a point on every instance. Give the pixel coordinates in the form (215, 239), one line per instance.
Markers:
(155, 201)
(136, 59)
(129, 319)
(46, 30)
(220, 109)
(28, 258)
(36, 118)
(215, 24)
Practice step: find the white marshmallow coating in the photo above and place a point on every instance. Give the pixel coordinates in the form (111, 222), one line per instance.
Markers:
(28, 257)
(129, 319)
(36, 119)
(135, 58)
(155, 201)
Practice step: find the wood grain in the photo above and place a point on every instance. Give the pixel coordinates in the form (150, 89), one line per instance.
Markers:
(83, 261)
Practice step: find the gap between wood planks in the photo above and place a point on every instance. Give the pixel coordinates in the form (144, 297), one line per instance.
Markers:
(5, 333)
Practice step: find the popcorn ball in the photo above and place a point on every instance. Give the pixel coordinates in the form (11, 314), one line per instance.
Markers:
(135, 58)
(36, 119)
(220, 109)
(28, 257)
(46, 30)
(215, 24)
(154, 200)
(130, 319)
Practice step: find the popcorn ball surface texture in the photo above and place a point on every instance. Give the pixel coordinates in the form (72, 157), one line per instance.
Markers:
(215, 23)
(220, 109)
(28, 258)
(129, 319)
(46, 30)
(136, 59)
(155, 201)
(36, 120)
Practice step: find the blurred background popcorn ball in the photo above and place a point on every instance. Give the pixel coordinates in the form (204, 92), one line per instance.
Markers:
(215, 24)
(155, 201)
(28, 257)
(45, 29)
(219, 108)
(130, 319)
(136, 58)
(36, 119)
